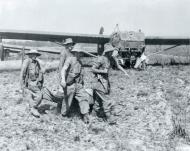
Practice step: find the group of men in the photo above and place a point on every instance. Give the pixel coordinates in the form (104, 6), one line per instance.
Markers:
(96, 97)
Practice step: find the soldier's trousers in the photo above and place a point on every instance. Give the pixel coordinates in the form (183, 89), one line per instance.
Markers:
(103, 105)
(78, 92)
(34, 94)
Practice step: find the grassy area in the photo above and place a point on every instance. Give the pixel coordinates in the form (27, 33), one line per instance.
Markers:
(159, 55)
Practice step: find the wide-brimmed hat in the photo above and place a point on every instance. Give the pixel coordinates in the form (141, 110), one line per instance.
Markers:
(68, 41)
(33, 51)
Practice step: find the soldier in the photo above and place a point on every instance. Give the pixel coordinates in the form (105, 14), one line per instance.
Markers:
(114, 46)
(68, 44)
(72, 83)
(101, 87)
(32, 80)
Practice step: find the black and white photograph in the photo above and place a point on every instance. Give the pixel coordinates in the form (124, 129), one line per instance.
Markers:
(94, 75)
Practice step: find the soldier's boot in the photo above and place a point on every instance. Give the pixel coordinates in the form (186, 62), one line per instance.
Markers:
(111, 119)
(58, 109)
(86, 118)
(35, 112)
(65, 114)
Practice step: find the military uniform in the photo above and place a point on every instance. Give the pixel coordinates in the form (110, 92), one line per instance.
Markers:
(115, 58)
(32, 79)
(114, 55)
(64, 54)
(103, 105)
(74, 87)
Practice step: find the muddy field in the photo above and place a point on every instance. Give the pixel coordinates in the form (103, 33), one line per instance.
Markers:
(151, 103)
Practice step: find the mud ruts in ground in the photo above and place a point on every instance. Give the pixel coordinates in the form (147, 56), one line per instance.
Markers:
(148, 102)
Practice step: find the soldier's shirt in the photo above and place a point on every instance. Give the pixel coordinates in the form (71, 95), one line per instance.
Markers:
(74, 68)
(30, 68)
(33, 70)
(30, 73)
(115, 52)
(75, 89)
(102, 80)
(64, 54)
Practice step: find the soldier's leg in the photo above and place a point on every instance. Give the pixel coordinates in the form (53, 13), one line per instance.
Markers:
(90, 99)
(34, 99)
(106, 107)
(69, 93)
(36, 93)
(98, 105)
(82, 97)
(37, 98)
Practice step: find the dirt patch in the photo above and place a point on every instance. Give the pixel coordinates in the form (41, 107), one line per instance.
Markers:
(148, 101)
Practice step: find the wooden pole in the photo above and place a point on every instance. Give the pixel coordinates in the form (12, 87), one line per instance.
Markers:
(2, 55)
(23, 54)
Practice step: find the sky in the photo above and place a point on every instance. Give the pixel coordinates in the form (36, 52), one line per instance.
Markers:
(153, 17)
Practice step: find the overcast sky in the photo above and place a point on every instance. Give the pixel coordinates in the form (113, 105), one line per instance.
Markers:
(153, 17)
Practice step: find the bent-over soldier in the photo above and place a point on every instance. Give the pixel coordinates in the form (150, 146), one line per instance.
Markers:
(72, 83)
(101, 87)
(111, 46)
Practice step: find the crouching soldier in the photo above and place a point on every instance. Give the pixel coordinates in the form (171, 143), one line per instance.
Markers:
(72, 83)
(32, 80)
(103, 105)
(114, 47)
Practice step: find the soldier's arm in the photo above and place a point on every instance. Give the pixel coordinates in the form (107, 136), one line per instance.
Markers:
(43, 65)
(61, 62)
(115, 55)
(119, 66)
(63, 72)
(96, 65)
(23, 73)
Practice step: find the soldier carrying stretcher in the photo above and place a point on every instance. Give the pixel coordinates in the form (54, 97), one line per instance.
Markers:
(100, 88)
(72, 84)
(31, 80)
